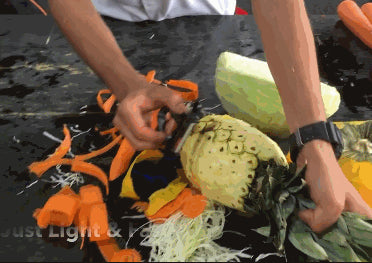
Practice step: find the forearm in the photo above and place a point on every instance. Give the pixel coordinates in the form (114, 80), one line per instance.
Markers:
(290, 51)
(95, 43)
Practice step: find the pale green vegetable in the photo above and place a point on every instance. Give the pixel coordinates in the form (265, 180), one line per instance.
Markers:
(248, 92)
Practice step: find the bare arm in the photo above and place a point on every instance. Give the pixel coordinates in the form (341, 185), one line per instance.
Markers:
(95, 43)
(290, 50)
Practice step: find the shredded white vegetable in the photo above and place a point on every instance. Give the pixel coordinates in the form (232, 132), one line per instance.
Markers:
(61, 178)
(181, 239)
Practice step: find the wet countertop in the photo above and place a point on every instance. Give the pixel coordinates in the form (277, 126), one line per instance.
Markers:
(44, 83)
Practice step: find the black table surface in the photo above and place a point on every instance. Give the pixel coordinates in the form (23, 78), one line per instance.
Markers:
(43, 80)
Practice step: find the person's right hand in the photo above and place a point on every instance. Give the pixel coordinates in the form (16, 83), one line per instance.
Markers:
(134, 114)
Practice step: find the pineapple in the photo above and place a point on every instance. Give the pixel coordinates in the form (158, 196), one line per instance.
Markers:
(235, 164)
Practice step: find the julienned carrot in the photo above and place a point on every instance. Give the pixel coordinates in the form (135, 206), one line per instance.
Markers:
(121, 160)
(39, 168)
(356, 21)
(367, 10)
(38, 7)
(194, 206)
(99, 151)
(90, 169)
(189, 89)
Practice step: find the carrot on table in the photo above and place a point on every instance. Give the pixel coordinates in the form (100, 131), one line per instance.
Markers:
(367, 10)
(99, 151)
(90, 169)
(126, 255)
(108, 248)
(121, 160)
(356, 21)
(41, 167)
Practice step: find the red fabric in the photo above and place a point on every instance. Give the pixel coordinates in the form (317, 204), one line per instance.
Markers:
(239, 11)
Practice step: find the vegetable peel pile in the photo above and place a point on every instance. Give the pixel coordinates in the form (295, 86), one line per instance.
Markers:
(224, 161)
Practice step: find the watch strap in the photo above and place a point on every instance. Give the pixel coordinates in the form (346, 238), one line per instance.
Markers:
(326, 131)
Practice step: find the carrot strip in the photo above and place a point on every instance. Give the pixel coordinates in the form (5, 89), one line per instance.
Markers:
(99, 151)
(367, 10)
(90, 169)
(90, 194)
(121, 160)
(171, 207)
(39, 168)
(150, 76)
(38, 7)
(98, 222)
(109, 131)
(108, 248)
(99, 97)
(126, 255)
(191, 89)
(107, 105)
(356, 21)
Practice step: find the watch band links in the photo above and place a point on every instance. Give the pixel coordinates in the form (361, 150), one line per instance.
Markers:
(326, 131)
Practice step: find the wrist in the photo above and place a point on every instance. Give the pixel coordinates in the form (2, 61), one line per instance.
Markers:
(318, 150)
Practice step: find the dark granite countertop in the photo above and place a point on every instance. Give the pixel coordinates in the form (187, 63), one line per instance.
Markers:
(42, 80)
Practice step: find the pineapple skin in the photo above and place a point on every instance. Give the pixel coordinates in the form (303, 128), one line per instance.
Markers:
(221, 155)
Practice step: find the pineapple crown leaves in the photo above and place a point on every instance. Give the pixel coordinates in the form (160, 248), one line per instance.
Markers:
(279, 192)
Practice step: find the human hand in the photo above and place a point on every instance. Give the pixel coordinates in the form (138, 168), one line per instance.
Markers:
(134, 114)
(329, 188)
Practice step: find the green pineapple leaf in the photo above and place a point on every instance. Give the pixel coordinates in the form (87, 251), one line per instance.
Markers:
(301, 238)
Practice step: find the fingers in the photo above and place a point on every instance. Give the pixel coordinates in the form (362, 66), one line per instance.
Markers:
(170, 125)
(355, 203)
(165, 97)
(319, 219)
(138, 144)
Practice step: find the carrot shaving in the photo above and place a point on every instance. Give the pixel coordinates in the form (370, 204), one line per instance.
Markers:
(109, 131)
(191, 89)
(121, 160)
(38, 7)
(150, 76)
(99, 151)
(126, 255)
(90, 169)
(100, 101)
(172, 207)
(108, 248)
(39, 168)
(98, 222)
(107, 105)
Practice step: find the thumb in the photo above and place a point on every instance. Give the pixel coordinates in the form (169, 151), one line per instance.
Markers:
(317, 219)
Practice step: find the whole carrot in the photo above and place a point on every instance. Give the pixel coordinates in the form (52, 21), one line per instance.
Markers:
(367, 10)
(356, 21)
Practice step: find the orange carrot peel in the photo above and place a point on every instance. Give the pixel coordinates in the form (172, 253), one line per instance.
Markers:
(39, 168)
(38, 7)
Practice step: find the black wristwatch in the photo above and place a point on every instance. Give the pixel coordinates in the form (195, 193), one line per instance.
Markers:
(326, 131)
